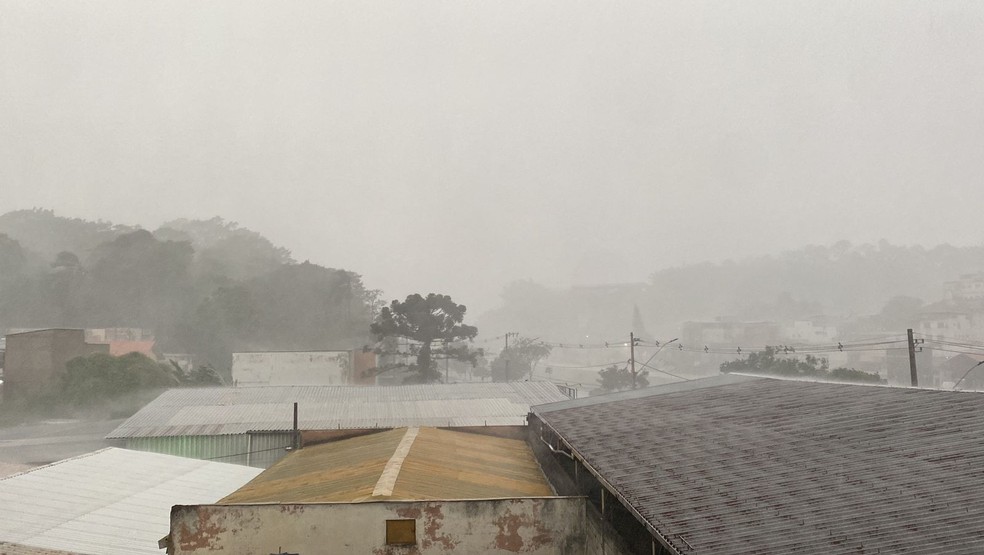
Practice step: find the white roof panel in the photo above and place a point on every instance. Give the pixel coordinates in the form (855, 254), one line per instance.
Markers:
(237, 410)
(112, 501)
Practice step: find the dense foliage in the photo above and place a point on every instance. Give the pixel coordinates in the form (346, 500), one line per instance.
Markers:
(517, 361)
(770, 363)
(97, 378)
(618, 378)
(207, 288)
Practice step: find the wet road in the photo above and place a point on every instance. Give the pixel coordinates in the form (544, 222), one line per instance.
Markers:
(40, 443)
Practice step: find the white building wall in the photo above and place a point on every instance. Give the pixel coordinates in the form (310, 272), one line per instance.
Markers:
(292, 368)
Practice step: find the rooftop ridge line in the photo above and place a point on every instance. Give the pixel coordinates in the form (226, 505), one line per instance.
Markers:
(387, 480)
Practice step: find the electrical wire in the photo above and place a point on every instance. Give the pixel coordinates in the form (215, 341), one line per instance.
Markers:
(246, 453)
(667, 373)
(617, 362)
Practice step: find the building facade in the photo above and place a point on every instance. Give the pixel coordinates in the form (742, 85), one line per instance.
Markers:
(302, 368)
(413, 490)
(34, 361)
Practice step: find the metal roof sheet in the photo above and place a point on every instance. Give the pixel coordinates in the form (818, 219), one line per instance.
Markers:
(675, 387)
(16, 549)
(237, 410)
(771, 466)
(110, 502)
(440, 464)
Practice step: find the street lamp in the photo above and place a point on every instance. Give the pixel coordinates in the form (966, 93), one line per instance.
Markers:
(646, 364)
(967, 373)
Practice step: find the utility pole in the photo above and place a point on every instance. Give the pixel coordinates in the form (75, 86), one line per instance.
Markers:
(632, 344)
(505, 352)
(912, 359)
(447, 361)
(297, 433)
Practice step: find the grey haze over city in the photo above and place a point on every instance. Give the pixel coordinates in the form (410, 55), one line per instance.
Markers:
(459, 146)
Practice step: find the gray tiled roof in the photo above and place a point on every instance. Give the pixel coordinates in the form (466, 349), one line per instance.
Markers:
(769, 466)
(237, 410)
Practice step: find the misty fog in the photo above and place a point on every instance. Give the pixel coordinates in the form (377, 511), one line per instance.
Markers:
(460, 147)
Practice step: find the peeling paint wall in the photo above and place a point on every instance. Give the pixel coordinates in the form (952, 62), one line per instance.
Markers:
(543, 526)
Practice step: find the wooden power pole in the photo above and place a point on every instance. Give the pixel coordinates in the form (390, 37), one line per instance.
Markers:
(913, 375)
(632, 342)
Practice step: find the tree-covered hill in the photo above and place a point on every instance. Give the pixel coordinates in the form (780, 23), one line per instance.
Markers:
(205, 287)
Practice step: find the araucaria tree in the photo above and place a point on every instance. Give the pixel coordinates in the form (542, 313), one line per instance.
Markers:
(424, 321)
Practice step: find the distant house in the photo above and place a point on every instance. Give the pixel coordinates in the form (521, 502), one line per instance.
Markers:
(808, 331)
(730, 334)
(951, 324)
(303, 368)
(109, 335)
(120, 348)
(123, 341)
(408, 490)
(722, 339)
(967, 287)
(34, 361)
(253, 425)
(109, 502)
(763, 466)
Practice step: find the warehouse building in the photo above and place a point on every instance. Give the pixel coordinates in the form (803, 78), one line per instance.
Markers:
(408, 490)
(756, 466)
(253, 426)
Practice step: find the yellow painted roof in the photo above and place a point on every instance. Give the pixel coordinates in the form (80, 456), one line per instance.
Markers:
(440, 464)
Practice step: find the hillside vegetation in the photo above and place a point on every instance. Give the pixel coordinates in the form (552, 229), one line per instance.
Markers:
(204, 287)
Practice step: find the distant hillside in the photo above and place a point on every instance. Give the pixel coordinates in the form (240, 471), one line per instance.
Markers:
(840, 280)
(45, 235)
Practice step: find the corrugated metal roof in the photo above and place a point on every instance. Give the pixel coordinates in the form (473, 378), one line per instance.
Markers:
(110, 502)
(440, 464)
(770, 466)
(16, 549)
(675, 387)
(237, 410)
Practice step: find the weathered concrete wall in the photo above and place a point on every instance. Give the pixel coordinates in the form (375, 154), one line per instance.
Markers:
(35, 361)
(599, 536)
(292, 368)
(544, 526)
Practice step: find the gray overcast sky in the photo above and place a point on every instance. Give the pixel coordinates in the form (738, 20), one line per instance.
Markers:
(455, 146)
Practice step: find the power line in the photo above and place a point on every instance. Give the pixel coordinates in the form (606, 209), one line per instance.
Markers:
(665, 372)
(246, 453)
(617, 362)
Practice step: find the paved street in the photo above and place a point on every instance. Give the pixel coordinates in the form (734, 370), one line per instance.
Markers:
(41, 443)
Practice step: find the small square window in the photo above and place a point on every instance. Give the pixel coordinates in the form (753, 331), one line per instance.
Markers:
(401, 532)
